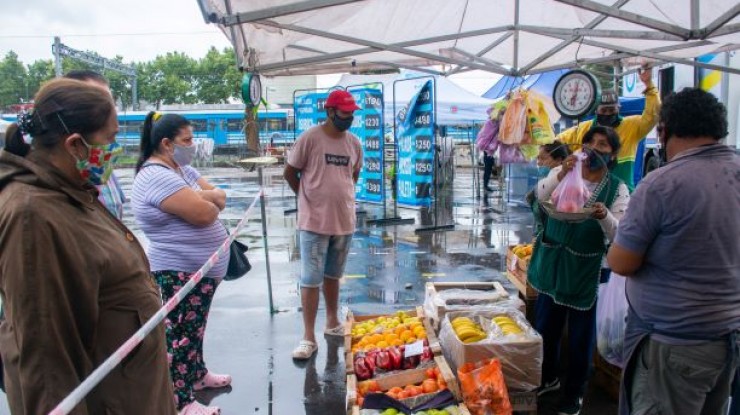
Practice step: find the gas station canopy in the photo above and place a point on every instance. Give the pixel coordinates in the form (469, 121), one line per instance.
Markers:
(508, 37)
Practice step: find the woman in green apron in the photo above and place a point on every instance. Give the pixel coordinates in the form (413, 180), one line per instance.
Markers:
(566, 266)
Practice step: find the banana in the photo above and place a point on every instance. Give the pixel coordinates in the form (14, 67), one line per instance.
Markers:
(467, 333)
(475, 338)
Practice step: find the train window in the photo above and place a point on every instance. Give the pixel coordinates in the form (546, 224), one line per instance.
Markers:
(131, 127)
(234, 125)
(199, 125)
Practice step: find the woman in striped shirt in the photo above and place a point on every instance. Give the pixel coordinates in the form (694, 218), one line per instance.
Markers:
(178, 211)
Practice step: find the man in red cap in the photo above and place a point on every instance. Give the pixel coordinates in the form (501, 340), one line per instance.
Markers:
(322, 169)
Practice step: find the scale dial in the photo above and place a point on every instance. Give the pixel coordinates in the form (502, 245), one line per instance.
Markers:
(251, 89)
(576, 94)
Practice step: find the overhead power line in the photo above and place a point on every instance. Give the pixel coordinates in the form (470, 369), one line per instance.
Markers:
(26, 36)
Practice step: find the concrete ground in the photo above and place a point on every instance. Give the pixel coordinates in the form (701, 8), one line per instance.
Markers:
(387, 270)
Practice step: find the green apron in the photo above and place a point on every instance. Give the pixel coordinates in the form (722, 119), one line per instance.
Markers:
(566, 260)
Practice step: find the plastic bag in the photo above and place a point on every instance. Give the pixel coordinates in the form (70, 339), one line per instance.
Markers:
(436, 303)
(483, 388)
(487, 139)
(611, 320)
(520, 353)
(571, 194)
(510, 154)
(514, 121)
(538, 120)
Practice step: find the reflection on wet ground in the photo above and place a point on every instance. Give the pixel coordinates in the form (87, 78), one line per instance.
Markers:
(386, 270)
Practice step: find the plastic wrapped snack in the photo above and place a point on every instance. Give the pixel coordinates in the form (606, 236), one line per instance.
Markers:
(506, 335)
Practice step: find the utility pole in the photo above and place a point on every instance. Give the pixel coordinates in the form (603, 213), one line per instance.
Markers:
(61, 50)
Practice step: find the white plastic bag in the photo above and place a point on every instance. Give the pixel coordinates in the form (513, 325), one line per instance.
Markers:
(611, 320)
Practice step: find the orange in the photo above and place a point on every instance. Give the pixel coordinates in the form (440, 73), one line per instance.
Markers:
(382, 344)
(430, 385)
(410, 340)
(406, 335)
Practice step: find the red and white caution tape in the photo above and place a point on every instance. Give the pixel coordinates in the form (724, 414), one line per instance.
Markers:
(111, 362)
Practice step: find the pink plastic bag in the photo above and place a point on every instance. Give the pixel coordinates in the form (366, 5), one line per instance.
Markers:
(487, 139)
(572, 194)
(510, 154)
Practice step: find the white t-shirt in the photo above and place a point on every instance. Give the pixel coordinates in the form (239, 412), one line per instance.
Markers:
(326, 196)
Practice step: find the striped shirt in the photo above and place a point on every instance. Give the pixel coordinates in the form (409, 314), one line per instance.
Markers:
(174, 244)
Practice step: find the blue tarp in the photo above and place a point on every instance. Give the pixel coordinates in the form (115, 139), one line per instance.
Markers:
(543, 83)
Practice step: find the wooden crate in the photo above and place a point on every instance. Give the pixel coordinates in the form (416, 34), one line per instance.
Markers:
(432, 288)
(519, 279)
(352, 319)
(607, 376)
(401, 379)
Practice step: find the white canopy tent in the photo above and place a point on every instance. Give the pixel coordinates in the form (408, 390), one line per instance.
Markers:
(512, 37)
(455, 105)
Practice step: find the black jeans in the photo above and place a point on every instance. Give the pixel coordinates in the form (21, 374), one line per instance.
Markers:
(488, 163)
(550, 321)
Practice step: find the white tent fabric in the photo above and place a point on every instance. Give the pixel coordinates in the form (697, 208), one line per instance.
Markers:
(515, 37)
(455, 106)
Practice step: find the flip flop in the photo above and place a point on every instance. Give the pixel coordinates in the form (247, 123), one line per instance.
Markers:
(336, 331)
(212, 381)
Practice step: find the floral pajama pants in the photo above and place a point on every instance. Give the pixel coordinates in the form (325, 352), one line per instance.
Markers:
(185, 327)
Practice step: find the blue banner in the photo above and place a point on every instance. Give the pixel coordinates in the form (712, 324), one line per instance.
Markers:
(309, 111)
(368, 127)
(415, 140)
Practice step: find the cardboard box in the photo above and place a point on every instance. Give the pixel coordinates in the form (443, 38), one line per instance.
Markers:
(435, 309)
(521, 356)
(401, 379)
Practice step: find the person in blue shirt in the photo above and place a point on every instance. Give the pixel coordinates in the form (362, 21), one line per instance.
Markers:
(678, 246)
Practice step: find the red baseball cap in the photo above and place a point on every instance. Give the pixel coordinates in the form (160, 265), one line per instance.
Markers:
(341, 100)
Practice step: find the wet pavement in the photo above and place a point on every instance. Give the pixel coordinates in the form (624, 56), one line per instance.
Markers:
(386, 271)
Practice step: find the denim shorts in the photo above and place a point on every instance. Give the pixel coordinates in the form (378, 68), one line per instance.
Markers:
(322, 256)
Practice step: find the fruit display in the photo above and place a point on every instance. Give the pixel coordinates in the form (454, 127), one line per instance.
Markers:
(467, 330)
(507, 325)
(433, 382)
(394, 330)
(376, 361)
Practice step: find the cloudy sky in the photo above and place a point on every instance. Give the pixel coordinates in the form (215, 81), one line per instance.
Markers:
(135, 29)
(138, 30)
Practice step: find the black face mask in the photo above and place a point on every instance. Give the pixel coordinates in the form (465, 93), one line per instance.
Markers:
(608, 120)
(596, 159)
(342, 124)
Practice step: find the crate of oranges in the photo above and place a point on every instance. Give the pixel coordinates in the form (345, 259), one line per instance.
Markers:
(373, 335)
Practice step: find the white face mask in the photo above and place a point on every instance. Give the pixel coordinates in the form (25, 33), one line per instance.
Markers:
(183, 155)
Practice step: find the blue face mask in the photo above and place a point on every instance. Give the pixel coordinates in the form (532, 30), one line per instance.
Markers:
(543, 171)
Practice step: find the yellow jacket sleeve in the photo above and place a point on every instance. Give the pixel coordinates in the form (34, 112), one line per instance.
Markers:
(574, 135)
(645, 122)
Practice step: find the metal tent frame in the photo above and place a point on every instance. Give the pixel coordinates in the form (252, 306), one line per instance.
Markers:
(318, 36)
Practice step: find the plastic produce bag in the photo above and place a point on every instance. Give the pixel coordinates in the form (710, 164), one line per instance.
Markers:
(483, 388)
(487, 139)
(514, 121)
(611, 320)
(571, 194)
(538, 120)
(510, 154)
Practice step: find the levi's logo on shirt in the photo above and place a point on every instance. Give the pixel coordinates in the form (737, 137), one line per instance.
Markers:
(336, 160)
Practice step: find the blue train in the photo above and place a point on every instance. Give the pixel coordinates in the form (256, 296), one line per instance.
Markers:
(225, 127)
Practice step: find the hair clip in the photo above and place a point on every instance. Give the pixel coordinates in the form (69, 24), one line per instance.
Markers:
(25, 122)
(156, 116)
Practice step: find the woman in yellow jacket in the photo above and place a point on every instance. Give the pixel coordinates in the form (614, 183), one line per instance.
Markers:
(631, 130)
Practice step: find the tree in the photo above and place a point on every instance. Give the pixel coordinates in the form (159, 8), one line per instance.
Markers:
(218, 78)
(168, 79)
(13, 84)
(39, 72)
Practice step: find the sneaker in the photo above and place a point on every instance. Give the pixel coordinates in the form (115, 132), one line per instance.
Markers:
(548, 387)
(305, 350)
(197, 408)
(336, 331)
(570, 406)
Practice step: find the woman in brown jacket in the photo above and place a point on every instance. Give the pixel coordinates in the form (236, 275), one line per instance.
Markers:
(74, 281)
